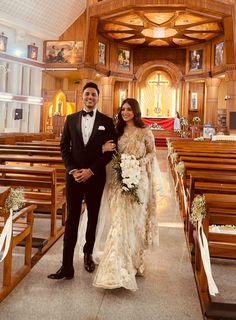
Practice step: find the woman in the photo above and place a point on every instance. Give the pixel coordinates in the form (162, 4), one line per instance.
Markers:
(133, 224)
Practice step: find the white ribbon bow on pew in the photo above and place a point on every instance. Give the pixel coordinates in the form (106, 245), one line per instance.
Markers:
(5, 236)
(203, 245)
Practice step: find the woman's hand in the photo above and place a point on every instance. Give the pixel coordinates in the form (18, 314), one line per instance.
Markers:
(109, 146)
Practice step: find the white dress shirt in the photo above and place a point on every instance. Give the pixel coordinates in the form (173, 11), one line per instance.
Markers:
(87, 124)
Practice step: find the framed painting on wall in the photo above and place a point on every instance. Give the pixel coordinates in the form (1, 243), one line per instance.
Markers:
(219, 54)
(32, 52)
(3, 43)
(193, 104)
(101, 53)
(123, 59)
(64, 52)
(195, 59)
(122, 96)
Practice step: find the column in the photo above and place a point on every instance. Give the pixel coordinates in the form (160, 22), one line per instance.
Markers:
(231, 99)
(34, 114)
(65, 84)
(107, 85)
(212, 87)
(185, 100)
(3, 75)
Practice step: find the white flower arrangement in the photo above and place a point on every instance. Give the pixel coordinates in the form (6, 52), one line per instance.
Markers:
(183, 121)
(180, 168)
(156, 126)
(198, 210)
(128, 174)
(174, 157)
(170, 150)
(196, 120)
(199, 139)
(14, 201)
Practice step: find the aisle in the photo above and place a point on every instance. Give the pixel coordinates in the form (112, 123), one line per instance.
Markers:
(167, 292)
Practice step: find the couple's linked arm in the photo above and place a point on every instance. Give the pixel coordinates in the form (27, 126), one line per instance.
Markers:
(105, 157)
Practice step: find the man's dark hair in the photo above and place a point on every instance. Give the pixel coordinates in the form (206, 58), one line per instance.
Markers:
(91, 85)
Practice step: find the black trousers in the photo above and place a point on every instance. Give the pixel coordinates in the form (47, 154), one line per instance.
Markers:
(92, 191)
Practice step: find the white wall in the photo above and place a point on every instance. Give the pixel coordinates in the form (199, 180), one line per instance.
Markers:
(19, 40)
(22, 79)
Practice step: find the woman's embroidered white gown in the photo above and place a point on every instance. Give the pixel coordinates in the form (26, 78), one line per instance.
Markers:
(124, 226)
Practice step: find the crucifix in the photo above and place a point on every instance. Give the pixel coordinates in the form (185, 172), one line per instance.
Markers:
(157, 82)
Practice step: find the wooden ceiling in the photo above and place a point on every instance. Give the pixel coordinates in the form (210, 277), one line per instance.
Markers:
(160, 27)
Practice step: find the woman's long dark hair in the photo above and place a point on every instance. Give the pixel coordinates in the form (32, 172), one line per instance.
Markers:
(133, 103)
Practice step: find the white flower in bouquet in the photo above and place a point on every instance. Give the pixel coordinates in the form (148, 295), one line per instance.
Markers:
(128, 174)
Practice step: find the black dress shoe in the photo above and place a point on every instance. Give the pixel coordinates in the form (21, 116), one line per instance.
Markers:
(62, 273)
(89, 264)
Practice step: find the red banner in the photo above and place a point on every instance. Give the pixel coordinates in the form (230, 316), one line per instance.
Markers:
(166, 123)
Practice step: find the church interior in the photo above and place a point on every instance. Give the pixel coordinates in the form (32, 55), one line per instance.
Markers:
(178, 59)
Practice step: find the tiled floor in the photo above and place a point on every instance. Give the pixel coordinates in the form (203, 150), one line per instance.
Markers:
(167, 292)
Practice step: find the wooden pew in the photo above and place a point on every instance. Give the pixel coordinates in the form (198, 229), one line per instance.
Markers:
(30, 152)
(221, 210)
(206, 168)
(22, 230)
(29, 147)
(40, 143)
(42, 189)
(201, 183)
(36, 160)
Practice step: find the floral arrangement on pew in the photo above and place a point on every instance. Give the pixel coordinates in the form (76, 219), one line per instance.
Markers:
(198, 213)
(180, 168)
(199, 139)
(14, 201)
(196, 121)
(128, 173)
(174, 157)
(170, 148)
(198, 210)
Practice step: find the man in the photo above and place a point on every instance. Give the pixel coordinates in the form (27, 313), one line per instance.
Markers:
(83, 136)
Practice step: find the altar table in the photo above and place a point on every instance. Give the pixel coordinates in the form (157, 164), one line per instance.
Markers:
(165, 123)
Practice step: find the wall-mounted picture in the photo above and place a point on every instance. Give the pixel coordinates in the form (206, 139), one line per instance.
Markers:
(3, 43)
(122, 96)
(195, 59)
(193, 104)
(123, 59)
(101, 53)
(64, 52)
(219, 54)
(32, 52)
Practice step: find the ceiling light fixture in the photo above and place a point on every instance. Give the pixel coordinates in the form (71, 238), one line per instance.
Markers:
(159, 32)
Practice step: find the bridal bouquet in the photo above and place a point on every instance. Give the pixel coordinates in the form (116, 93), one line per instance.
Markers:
(128, 173)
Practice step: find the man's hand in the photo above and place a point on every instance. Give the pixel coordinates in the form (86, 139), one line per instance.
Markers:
(82, 175)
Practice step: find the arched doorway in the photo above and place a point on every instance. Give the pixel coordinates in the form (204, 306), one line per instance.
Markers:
(159, 88)
(157, 96)
(56, 111)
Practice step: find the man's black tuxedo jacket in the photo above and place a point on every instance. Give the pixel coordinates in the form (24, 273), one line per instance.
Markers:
(75, 154)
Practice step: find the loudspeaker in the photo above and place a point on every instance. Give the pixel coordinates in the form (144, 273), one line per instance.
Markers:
(18, 114)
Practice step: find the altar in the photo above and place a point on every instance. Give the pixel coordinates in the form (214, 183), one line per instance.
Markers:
(166, 123)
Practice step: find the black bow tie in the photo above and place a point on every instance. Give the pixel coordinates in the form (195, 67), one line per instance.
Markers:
(85, 113)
